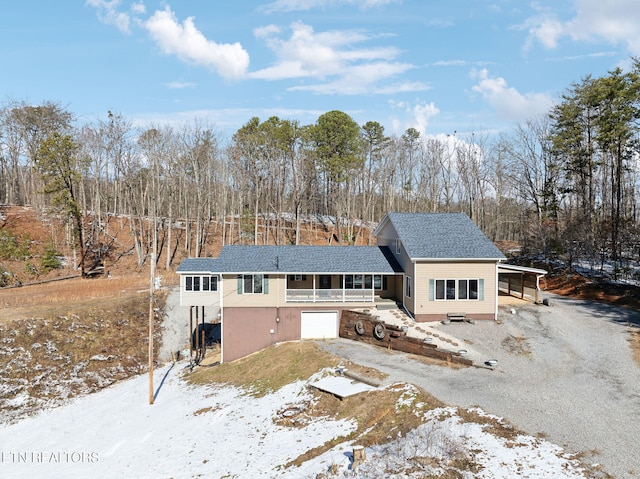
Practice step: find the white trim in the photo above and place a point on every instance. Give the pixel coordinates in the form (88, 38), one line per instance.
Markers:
(457, 260)
(512, 268)
(382, 223)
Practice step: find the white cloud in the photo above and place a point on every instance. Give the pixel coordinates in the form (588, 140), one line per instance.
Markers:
(507, 101)
(333, 57)
(363, 79)
(450, 63)
(190, 45)
(108, 14)
(422, 114)
(614, 21)
(179, 85)
(138, 8)
(302, 5)
(460, 63)
(306, 53)
(418, 116)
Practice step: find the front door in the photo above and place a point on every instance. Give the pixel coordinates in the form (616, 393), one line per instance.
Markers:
(325, 281)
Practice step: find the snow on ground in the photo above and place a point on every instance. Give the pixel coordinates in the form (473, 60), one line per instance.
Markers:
(218, 431)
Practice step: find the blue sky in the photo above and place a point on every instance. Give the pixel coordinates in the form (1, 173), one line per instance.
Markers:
(471, 65)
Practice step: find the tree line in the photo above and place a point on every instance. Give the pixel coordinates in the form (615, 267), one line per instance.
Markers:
(562, 184)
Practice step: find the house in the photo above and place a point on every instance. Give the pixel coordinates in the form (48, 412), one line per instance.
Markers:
(430, 264)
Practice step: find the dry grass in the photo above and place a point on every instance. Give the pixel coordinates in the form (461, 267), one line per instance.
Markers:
(53, 357)
(270, 369)
(576, 286)
(378, 416)
(60, 296)
(496, 426)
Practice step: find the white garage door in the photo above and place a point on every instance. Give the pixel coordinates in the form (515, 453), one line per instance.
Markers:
(319, 324)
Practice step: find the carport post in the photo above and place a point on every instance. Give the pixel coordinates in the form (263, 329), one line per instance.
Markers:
(203, 345)
(197, 335)
(190, 333)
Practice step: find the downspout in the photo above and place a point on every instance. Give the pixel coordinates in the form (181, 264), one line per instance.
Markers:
(278, 296)
(495, 306)
(538, 276)
(413, 289)
(221, 294)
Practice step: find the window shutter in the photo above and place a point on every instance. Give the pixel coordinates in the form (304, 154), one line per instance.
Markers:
(265, 287)
(481, 289)
(239, 284)
(431, 289)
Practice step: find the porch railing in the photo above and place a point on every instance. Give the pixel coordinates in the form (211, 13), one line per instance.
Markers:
(329, 295)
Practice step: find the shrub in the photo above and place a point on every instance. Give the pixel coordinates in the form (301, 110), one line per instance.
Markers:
(51, 258)
(31, 269)
(6, 277)
(13, 247)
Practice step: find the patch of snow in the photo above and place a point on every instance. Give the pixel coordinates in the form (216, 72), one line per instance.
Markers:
(102, 357)
(220, 431)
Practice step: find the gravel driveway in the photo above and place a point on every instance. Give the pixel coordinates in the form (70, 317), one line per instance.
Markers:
(565, 371)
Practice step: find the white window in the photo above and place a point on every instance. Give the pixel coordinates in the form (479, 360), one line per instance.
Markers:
(252, 284)
(362, 281)
(201, 283)
(407, 286)
(461, 289)
(467, 289)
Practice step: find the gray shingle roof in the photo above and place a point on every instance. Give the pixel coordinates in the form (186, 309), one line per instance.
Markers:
(442, 236)
(423, 236)
(197, 265)
(295, 259)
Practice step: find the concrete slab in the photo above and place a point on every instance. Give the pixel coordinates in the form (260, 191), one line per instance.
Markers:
(341, 386)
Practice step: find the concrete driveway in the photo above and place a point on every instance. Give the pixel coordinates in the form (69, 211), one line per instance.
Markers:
(565, 371)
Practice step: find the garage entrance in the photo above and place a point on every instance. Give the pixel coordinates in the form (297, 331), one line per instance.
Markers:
(319, 324)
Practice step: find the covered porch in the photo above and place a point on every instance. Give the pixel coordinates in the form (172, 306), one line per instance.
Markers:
(520, 281)
(339, 288)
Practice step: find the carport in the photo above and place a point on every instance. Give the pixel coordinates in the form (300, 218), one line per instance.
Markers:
(520, 281)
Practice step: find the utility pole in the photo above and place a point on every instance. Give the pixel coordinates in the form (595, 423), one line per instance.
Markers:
(152, 275)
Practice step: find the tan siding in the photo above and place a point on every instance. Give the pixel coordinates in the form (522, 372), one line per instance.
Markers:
(232, 299)
(198, 298)
(203, 298)
(462, 270)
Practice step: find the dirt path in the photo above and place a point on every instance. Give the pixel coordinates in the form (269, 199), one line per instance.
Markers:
(565, 371)
(175, 331)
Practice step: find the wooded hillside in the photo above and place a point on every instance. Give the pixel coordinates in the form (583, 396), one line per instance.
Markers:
(564, 185)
